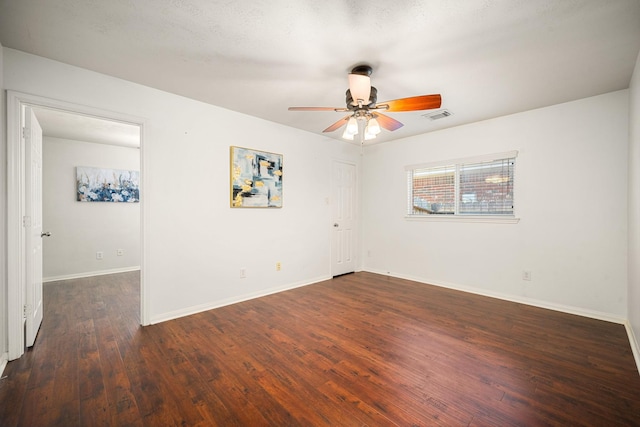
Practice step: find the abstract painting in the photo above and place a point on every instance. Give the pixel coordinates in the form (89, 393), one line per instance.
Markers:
(256, 179)
(107, 185)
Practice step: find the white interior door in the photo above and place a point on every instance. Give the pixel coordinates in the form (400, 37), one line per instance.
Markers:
(343, 242)
(33, 226)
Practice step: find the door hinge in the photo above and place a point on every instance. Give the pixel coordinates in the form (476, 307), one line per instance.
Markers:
(24, 132)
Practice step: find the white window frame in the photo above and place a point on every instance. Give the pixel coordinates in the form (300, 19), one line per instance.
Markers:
(501, 219)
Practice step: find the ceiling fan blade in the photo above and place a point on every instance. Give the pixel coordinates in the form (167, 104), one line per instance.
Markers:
(387, 122)
(338, 124)
(414, 103)
(315, 109)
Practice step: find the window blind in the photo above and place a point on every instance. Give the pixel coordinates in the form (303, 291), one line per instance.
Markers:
(487, 188)
(464, 188)
(433, 190)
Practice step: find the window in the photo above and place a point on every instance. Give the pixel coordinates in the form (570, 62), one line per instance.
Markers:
(479, 186)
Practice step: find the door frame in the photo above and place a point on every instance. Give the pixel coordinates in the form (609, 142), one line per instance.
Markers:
(16, 255)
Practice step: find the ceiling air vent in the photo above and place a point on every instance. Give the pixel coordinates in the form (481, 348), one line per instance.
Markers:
(439, 114)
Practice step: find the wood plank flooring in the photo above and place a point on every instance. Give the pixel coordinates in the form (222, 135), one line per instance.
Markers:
(359, 350)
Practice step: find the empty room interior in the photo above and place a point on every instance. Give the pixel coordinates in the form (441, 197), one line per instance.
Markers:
(314, 213)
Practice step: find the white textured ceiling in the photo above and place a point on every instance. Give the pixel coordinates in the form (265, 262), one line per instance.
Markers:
(487, 58)
(61, 124)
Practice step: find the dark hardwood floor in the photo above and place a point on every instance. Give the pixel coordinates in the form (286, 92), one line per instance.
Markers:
(359, 350)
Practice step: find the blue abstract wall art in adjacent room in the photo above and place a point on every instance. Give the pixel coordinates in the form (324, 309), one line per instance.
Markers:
(107, 185)
(256, 179)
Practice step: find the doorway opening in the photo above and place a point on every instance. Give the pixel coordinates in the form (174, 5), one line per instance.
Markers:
(72, 129)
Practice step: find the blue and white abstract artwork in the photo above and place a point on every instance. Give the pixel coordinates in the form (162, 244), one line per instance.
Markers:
(256, 179)
(107, 185)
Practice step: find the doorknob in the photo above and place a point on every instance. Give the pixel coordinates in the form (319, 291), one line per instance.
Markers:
(45, 234)
(336, 225)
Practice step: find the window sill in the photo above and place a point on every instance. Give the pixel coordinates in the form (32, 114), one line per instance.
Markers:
(464, 218)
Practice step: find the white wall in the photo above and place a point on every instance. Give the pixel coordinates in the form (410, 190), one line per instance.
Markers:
(79, 230)
(634, 209)
(571, 192)
(194, 243)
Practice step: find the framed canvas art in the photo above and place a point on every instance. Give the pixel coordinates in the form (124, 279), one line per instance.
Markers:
(256, 178)
(107, 185)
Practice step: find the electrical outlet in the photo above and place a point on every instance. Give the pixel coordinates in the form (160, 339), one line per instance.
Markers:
(119, 252)
(99, 255)
(278, 266)
(526, 275)
(243, 273)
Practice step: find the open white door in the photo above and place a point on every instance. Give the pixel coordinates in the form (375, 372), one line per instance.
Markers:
(33, 226)
(343, 235)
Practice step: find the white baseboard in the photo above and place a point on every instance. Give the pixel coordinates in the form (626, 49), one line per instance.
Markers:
(4, 358)
(635, 348)
(90, 274)
(217, 304)
(608, 317)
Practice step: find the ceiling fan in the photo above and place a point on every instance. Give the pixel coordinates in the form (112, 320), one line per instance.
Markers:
(365, 117)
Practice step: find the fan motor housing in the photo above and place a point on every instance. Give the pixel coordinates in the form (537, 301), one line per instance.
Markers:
(373, 98)
(363, 70)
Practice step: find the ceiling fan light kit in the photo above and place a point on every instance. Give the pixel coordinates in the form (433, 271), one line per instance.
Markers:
(373, 126)
(360, 88)
(347, 135)
(361, 103)
(351, 130)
